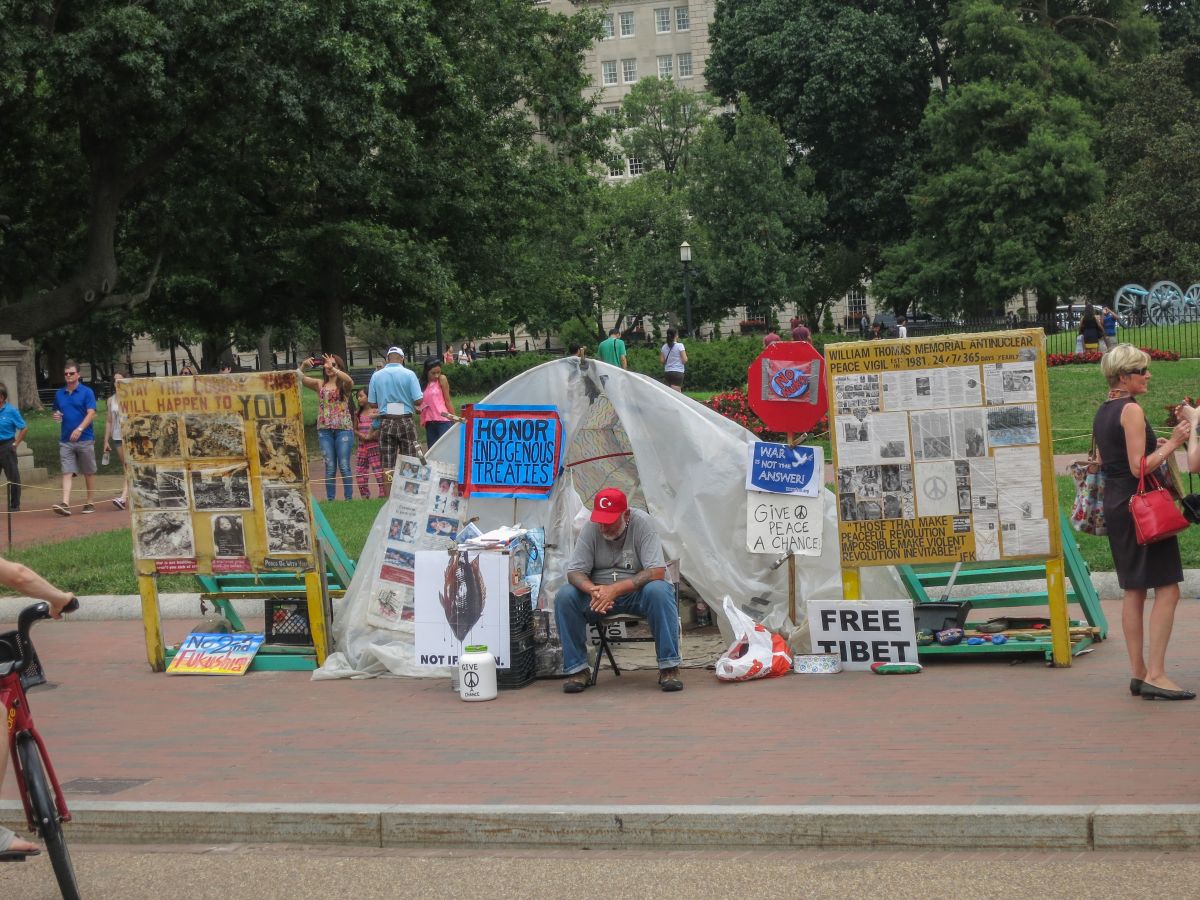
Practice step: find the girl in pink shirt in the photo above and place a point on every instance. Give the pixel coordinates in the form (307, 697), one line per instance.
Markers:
(435, 401)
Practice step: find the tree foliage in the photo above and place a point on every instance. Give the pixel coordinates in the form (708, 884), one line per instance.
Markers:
(660, 120)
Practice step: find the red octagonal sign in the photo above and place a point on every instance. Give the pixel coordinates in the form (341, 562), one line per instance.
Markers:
(786, 386)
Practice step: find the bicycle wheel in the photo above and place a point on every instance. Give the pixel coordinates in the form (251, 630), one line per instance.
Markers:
(45, 814)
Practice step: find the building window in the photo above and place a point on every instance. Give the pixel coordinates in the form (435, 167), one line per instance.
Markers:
(664, 66)
(610, 30)
(856, 302)
(626, 24)
(685, 65)
(616, 167)
(683, 21)
(629, 70)
(608, 71)
(635, 166)
(662, 20)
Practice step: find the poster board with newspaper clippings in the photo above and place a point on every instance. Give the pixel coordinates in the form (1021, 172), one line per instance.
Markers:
(942, 449)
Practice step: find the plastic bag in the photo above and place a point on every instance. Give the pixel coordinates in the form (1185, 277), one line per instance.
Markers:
(754, 653)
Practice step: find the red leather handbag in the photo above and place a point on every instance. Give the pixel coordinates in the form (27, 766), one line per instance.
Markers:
(1155, 515)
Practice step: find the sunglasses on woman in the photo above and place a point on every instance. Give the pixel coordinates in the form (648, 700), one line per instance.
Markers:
(1141, 371)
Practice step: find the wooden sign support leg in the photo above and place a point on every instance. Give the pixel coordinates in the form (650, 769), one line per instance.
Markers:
(1060, 626)
(316, 616)
(152, 622)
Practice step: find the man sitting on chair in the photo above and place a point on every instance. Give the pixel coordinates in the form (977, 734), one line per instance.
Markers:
(617, 567)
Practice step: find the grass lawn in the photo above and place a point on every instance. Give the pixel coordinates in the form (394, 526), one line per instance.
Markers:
(101, 564)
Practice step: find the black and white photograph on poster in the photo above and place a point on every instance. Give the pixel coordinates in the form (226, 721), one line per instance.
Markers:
(401, 529)
(856, 394)
(848, 507)
(154, 487)
(898, 506)
(461, 599)
(279, 450)
(983, 485)
(286, 517)
(228, 536)
(866, 481)
(869, 510)
(930, 435)
(897, 478)
(413, 470)
(845, 480)
(164, 535)
(968, 428)
(414, 487)
(221, 487)
(853, 430)
(1010, 383)
(387, 603)
(443, 526)
(936, 488)
(215, 436)
(152, 437)
(446, 504)
(1012, 425)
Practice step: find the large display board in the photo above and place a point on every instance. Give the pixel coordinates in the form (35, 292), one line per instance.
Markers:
(218, 474)
(942, 449)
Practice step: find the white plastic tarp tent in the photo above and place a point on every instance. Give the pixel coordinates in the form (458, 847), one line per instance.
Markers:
(626, 430)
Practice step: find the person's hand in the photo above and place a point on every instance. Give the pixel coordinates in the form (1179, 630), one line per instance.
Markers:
(76, 435)
(603, 598)
(57, 416)
(1187, 413)
(57, 607)
(1181, 433)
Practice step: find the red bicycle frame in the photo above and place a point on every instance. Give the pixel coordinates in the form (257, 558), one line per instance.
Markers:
(19, 721)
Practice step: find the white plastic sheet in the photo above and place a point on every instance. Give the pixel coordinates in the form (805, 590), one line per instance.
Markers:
(690, 465)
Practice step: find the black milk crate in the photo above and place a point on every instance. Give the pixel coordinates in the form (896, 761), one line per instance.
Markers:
(520, 614)
(522, 661)
(287, 622)
(942, 614)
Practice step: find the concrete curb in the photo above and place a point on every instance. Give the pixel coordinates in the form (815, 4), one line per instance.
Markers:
(815, 827)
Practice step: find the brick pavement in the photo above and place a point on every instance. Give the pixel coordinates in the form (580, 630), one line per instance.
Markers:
(971, 732)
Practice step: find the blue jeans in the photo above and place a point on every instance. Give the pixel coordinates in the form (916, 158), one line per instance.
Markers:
(434, 430)
(337, 446)
(655, 603)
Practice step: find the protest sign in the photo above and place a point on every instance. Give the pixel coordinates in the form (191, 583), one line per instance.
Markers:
(510, 451)
(215, 654)
(780, 469)
(863, 632)
(784, 523)
(461, 598)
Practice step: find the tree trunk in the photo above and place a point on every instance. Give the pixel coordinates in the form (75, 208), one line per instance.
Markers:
(56, 357)
(27, 388)
(266, 357)
(332, 323)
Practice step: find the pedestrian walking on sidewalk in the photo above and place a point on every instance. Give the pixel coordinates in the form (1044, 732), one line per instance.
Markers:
(75, 410)
(12, 432)
(1126, 442)
(113, 441)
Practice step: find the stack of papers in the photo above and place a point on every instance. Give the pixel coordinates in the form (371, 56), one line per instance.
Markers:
(498, 539)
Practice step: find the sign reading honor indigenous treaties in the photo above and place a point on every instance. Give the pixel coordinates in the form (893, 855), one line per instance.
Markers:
(942, 449)
(510, 451)
(217, 472)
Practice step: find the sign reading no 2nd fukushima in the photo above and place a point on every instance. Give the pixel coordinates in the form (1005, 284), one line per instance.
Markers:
(942, 449)
(510, 451)
(786, 386)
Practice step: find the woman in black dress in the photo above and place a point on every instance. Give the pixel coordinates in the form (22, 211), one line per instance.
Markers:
(1125, 441)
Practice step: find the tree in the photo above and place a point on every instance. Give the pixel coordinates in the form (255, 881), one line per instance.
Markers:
(1147, 227)
(1010, 154)
(848, 83)
(757, 213)
(660, 122)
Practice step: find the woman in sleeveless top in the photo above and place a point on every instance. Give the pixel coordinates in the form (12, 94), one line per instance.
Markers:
(1090, 329)
(674, 359)
(113, 439)
(1126, 441)
(335, 420)
(435, 401)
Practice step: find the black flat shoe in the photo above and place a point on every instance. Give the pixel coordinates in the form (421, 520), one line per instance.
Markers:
(1135, 686)
(1150, 692)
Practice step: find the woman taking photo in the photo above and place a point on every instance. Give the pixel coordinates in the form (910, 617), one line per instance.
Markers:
(335, 420)
(1091, 330)
(113, 441)
(435, 401)
(1125, 442)
(674, 359)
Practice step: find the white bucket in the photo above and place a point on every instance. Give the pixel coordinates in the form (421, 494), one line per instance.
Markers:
(477, 674)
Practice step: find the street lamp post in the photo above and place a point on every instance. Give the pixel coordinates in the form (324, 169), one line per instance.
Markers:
(685, 257)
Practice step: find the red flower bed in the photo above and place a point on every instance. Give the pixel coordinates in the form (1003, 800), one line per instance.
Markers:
(735, 406)
(1093, 357)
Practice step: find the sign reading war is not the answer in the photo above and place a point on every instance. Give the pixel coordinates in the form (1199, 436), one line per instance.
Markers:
(785, 507)
(863, 632)
(510, 451)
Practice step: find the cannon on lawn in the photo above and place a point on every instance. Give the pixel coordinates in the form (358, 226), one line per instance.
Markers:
(1162, 304)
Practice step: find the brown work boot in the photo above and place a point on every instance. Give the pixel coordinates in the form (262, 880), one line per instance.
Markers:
(668, 679)
(577, 683)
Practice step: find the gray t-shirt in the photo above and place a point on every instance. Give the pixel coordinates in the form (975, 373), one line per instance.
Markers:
(607, 562)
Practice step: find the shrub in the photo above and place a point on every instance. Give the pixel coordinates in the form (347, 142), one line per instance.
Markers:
(1093, 357)
(735, 406)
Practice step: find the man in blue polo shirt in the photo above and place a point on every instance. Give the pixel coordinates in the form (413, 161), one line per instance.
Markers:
(12, 432)
(75, 409)
(395, 391)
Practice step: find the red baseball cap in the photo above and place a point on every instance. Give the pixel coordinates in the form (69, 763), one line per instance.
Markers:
(610, 504)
